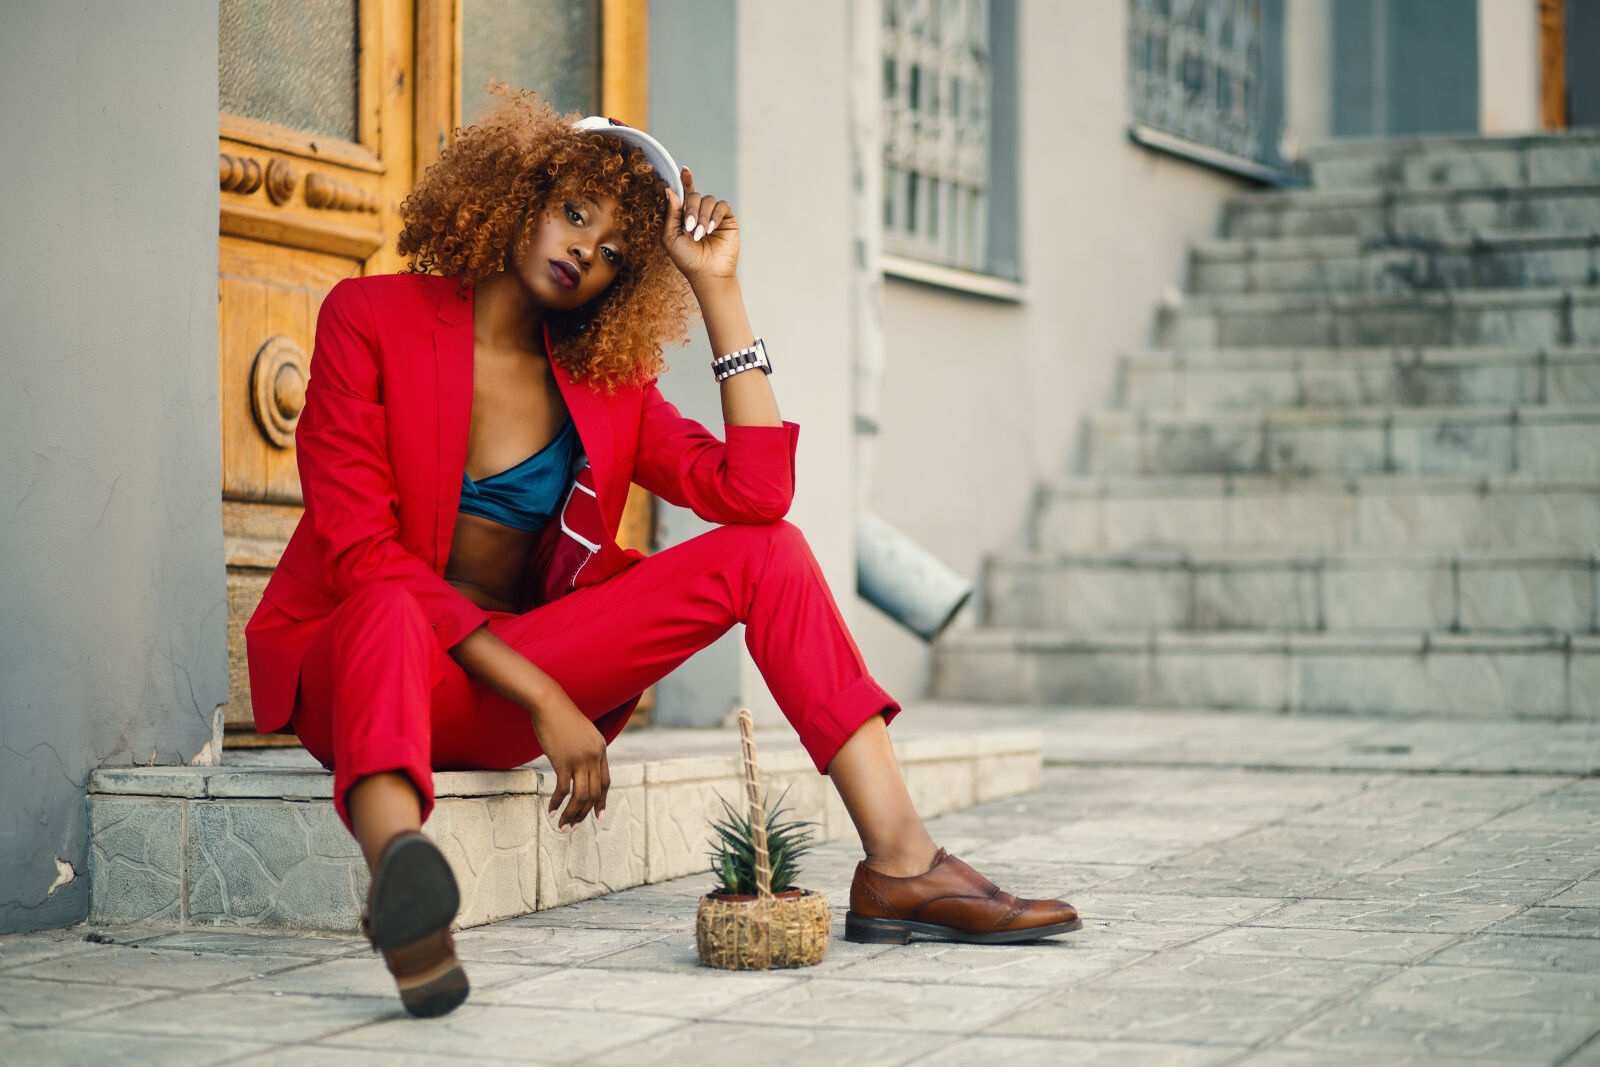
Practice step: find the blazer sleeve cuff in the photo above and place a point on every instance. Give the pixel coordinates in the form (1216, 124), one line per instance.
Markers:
(456, 621)
(760, 461)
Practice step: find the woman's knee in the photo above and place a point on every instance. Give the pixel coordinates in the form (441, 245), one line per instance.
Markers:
(778, 551)
(781, 538)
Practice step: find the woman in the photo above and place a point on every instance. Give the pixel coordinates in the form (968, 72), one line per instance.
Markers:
(454, 596)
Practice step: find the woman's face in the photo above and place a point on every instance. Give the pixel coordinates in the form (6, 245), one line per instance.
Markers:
(576, 252)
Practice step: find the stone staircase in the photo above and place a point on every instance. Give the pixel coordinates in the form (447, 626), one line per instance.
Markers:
(1358, 471)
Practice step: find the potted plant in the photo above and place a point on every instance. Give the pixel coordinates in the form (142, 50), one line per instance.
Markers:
(757, 918)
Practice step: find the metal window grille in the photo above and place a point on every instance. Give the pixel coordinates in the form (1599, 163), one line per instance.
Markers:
(1195, 71)
(937, 96)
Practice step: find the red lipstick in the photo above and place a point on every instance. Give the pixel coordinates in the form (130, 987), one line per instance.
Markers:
(566, 275)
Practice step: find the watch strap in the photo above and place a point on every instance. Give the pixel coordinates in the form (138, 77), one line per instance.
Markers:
(725, 367)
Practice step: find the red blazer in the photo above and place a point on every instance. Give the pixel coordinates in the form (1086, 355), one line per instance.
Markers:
(382, 446)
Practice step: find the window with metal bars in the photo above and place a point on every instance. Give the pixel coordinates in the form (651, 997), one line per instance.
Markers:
(1205, 80)
(940, 132)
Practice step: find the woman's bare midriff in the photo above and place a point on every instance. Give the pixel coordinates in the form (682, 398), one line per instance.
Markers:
(516, 410)
(487, 562)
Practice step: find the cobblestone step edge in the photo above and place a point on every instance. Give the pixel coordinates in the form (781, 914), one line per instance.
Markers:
(192, 847)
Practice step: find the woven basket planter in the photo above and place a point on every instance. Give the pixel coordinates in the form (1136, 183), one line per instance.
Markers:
(749, 934)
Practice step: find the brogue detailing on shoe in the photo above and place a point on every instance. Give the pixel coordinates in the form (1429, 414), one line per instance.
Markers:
(889, 910)
(1010, 916)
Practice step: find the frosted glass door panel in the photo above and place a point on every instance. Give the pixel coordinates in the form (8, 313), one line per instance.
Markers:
(291, 63)
(549, 46)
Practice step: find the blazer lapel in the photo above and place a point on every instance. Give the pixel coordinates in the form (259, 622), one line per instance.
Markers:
(588, 410)
(452, 351)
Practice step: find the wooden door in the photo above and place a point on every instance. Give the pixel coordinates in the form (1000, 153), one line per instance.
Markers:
(330, 109)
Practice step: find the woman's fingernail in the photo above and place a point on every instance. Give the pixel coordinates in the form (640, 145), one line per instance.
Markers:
(713, 227)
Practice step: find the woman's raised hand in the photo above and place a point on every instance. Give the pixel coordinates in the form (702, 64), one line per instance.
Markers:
(702, 235)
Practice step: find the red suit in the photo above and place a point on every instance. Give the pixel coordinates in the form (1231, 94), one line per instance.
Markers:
(349, 645)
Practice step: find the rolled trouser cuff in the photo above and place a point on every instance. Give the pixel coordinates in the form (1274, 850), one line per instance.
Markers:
(826, 730)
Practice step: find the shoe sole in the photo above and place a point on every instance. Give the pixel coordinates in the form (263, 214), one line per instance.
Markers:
(414, 894)
(440, 989)
(866, 930)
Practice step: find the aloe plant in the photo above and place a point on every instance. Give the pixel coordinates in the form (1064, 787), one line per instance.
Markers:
(733, 857)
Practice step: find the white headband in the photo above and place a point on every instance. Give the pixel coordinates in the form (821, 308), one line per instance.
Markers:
(654, 151)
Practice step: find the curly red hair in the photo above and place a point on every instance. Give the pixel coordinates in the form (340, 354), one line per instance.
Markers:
(473, 211)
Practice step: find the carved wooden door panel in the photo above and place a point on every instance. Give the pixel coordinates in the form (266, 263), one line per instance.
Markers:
(329, 109)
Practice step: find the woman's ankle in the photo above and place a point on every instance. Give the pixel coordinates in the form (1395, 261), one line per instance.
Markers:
(903, 862)
(382, 806)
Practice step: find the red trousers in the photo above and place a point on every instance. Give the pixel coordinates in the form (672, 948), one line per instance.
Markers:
(379, 693)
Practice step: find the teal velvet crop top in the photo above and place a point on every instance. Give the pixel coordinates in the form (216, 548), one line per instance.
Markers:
(525, 496)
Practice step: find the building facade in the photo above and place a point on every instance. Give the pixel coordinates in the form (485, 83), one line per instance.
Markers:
(955, 214)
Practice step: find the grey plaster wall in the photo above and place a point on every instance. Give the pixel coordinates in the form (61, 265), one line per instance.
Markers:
(694, 112)
(112, 612)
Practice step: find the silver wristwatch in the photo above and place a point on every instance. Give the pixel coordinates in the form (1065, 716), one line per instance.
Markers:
(724, 367)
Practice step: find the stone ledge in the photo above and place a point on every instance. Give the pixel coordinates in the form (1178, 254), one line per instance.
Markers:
(1130, 486)
(1355, 416)
(1335, 300)
(1039, 639)
(1289, 357)
(1301, 589)
(1242, 249)
(1277, 379)
(1429, 214)
(1277, 200)
(1397, 147)
(258, 843)
(1455, 162)
(1356, 441)
(1455, 676)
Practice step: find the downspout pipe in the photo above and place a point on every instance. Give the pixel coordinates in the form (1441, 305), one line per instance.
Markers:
(904, 580)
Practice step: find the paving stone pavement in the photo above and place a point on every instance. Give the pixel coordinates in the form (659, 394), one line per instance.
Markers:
(1255, 889)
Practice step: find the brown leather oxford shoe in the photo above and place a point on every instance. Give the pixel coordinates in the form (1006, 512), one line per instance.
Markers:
(951, 902)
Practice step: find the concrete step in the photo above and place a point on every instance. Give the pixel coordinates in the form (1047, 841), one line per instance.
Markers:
(1480, 591)
(1427, 214)
(1376, 264)
(1557, 442)
(1174, 738)
(1330, 514)
(256, 842)
(1521, 317)
(1427, 674)
(1442, 162)
(1421, 376)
